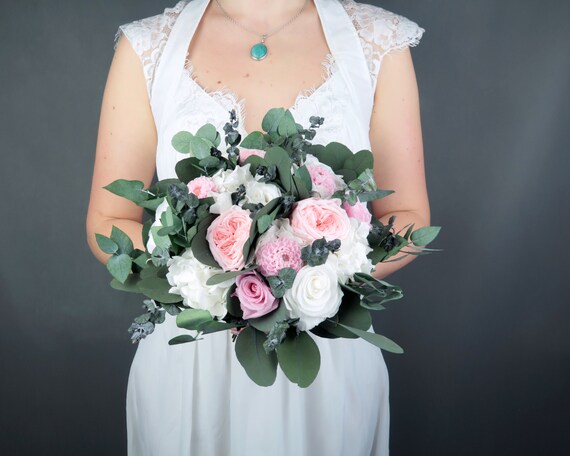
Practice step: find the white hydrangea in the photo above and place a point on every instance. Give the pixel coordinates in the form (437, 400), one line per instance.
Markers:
(188, 277)
(353, 250)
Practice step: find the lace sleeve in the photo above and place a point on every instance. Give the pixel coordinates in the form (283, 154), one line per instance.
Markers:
(381, 32)
(148, 36)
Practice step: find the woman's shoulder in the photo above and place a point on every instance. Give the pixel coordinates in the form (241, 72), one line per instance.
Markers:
(381, 31)
(148, 36)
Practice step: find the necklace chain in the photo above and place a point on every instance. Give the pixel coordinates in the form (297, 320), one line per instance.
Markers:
(263, 35)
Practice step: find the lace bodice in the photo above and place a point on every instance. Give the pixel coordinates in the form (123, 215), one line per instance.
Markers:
(380, 32)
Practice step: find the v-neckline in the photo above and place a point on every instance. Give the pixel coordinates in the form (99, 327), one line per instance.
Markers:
(239, 103)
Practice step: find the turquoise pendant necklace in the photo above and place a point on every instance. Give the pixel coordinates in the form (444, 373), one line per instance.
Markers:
(259, 50)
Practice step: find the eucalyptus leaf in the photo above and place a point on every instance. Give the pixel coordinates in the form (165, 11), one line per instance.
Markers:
(106, 244)
(423, 236)
(223, 276)
(199, 148)
(188, 169)
(193, 318)
(120, 266)
(271, 120)
(129, 189)
(182, 339)
(122, 240)
(255, 140)
(360, 161)
(181, 141)
(266, 322)
(376, 339)
(200, 245)
(260, 366)
(208, 131)
(130, 285)
(157, 288)
(280, 158)
(151, 204)
(299, 358)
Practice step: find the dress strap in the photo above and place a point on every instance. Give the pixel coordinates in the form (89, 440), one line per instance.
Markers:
(173, 58)
(345, 45)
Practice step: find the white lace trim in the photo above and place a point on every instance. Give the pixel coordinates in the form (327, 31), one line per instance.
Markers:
(228, 99)
(148, 37)
(380, 31)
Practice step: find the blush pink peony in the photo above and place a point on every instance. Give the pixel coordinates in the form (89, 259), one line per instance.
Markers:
(277, 254)
(323, 180)
(314, 218)
(244, 153)
(202, 186)
(254, 295)
(226, 237)
(359, 211)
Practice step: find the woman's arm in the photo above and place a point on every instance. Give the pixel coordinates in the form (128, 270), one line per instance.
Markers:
(126, 148)
(396, 142)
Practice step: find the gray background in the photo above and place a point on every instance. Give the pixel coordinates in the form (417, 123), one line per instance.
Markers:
(484, 323)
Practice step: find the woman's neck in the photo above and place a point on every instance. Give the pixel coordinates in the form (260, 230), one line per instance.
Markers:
(268, 12)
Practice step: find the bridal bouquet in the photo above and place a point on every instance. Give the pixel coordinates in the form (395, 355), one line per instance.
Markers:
(271, 238)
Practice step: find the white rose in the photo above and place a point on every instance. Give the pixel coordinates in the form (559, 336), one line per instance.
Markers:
(261, 192)
(352, 255)
(157, 224)
(315, 295)
(188, 278)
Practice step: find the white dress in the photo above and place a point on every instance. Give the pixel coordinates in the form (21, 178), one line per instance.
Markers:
(195, 398)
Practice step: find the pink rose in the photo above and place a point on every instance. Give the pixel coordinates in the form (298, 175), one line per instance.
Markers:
(254, 295)
(226, 237)
(323, 180)
(277, 254)
(202, 186)
(359, 211)
(244, 153)
(314, 218)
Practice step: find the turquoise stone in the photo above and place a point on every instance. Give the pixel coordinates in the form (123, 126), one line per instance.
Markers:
(258, 51)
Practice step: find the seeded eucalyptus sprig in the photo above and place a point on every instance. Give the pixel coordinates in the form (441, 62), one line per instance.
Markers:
(318, 252)
(233, 138)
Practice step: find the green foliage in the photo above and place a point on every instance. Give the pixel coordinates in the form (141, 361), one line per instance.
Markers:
(299, 358)
(374, 292)
(200, 246)
(376, 339)
(122, 240)
(425, 235)
(255, 140)
(182, 339)
(223, 276)
(120, 266)
(266, 322)
(133, 190)
(157, 288)
(281, 282)
(106, 244)
(350, 313)
(280, 158)
(260, 366)
(188, 169)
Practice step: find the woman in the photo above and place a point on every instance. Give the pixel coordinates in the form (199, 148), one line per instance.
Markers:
(191, 65)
